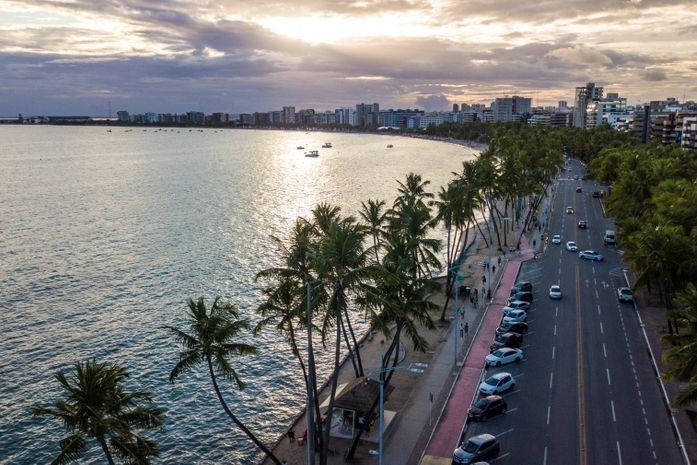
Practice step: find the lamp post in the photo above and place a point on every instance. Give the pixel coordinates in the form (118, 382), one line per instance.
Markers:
(414, 368)
(458, 279)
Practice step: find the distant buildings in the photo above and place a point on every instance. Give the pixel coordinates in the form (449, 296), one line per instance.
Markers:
(583, 97)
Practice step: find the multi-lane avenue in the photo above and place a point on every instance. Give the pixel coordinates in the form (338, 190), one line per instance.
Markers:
(585, 392)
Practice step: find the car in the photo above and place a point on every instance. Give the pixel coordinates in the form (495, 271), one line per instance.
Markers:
(504, 356)
(482, 446)
(487, 407)
(570, 210)
(512, 327)
(508, 311)
(521, 304)
(576, 177)
(582, 224)
(571, 246)
(555, 292)
(596, 194)
(524, 296)
(556, 239)
(506, 340)
(497, 383)
(579, 189)
(521, 286)
(624, 294)
(516, 315)
(591, 255)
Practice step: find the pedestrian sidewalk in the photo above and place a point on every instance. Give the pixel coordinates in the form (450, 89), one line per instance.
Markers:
(451, 422)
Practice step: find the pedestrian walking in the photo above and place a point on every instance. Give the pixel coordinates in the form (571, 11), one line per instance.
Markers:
(483, 279)
(504, 252)
(493, 268)
(467, 328)
(476, 302)
(462, 330)
(488, 294)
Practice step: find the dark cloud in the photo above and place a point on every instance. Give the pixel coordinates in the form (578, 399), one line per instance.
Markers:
(654, 75)
(433, 102)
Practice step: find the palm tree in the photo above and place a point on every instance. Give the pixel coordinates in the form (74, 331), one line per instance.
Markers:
(683, 352)
(97, 405)
(211, 341)
(375, 218)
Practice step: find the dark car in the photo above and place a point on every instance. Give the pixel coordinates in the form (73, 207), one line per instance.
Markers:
(518, 327)
(579, 189)
(487, 407)
(596, 194)
(522, 286)
(524, 296)
(582, 225)
(480, 447)
(506, 340)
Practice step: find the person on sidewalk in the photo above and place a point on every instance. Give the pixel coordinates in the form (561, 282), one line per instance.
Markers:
(462, 330)
(467, 327)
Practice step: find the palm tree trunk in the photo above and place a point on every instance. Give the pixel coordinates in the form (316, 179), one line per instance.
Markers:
(351, 349)
(355, 343)
(232, 416)
(332, 394)
(312, 402)
(105, 448)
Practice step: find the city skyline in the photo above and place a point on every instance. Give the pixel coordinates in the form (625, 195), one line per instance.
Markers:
(80, 57)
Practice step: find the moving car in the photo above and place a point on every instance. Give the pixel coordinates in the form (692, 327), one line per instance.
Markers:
(482, 446)
(624, 294)
(556, 239)
(582, 224)
(504, 356)
(609, 237)
(512, 327)
(569, 209)
(596, 194)
(591, 255)
(515, 316)
(498, 383)
(571, 246)
(579, 189)
(555, 292)
(506, 340)
(487, 407)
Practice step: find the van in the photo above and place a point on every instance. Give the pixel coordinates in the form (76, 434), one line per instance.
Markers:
(609, 237)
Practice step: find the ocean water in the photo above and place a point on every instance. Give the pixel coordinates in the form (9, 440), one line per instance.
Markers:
(104, 235)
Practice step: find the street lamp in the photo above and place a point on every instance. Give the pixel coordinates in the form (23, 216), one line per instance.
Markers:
(414, 368)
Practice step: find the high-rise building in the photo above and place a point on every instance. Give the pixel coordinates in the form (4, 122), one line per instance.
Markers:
(562, 106)
(367, 115)
(456, 107)
(583, 96)
(510, 109)
(288, 116)
(123, 116)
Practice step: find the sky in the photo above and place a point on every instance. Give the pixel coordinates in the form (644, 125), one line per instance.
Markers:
(83, 57)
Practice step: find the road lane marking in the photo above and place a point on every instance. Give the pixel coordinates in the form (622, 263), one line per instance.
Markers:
(596, 294)
(551, 380)
(598, 309)
(556, 312)
(607, 370)
(582, 440)
(544, 458)
(619, 453)
(601, 328)
(612, 405)
(604, 351)
(555, 330)
(549, 411)
(553, 350)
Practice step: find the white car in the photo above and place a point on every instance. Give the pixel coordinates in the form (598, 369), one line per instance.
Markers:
(555, 292)
(515, 316)
(497, 384)
(571, 246)
(591, 255)
(504, 356)
(556, 239)
(624, 294)
(570, 210)
(521, 304)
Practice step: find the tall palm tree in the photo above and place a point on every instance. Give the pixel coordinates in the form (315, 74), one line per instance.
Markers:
(97, 405)
(211, 342)
(683, 350)
(375, 218)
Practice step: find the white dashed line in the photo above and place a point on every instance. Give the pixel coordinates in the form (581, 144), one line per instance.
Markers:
(555, 330)
(612, 405)
(544, 458)
(551, 380)
(596, 294)
(607, 370)
(619, 453)
(598, 309)
(604, 351)
(549, 411)
(553, 350)
(601, 328)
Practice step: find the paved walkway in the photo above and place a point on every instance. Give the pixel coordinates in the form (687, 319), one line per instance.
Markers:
(446, 436)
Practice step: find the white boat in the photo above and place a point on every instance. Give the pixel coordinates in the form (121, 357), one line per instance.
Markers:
(327, 145)
(312, 153)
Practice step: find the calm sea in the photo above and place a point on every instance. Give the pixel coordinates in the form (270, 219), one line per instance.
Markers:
(104, 235)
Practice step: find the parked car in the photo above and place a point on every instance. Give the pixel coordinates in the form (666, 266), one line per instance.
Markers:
(624, 294)
(482, 446)
(497, 383)
(521, 286)
(487, 407)
(596, 194)
(506, 340)
(556, 239)
(524, 296)
(591, 255)
(555, 292)
(579, 189)
(512, 327)
(582, 224)
(570, 210)
(504, 356)
(515, 316)
(571, 246)
(521, 304)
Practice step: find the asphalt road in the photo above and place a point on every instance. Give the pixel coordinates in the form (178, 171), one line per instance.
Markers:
(585, 392)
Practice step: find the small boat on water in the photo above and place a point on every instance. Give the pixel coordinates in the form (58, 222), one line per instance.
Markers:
(389, 146)
(312, 153)
(327, 145)
(300, 147)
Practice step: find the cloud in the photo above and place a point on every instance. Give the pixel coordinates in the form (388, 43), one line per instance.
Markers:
(580, 55)
(433, 102)
(654, 74)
